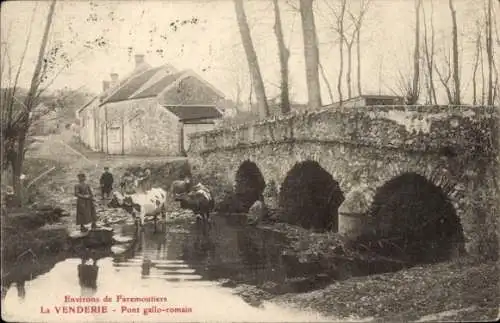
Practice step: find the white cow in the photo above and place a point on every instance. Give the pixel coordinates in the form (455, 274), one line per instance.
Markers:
(140, 205)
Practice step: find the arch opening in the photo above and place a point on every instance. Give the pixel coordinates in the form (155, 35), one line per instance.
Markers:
(249, 185)
(310, 197)
(416, 221)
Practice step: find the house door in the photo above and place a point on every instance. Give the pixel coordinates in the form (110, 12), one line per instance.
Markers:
(114, 140)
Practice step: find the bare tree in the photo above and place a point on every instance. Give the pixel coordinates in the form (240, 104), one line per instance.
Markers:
(489, 51)
(477, 56)
(349, 36)
(456, 71)
(413, 94)
(429, 55)
(358, 23)
(483, 76)
(284, 55)
(340, 23)
(349, 42)
(445, 76)
(18, 130)
(311, 53)
(20, 107)
(325, 79)
(253, 63)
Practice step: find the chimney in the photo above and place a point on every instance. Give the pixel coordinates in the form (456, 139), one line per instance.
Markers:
(105, 86)
(139, 59)
(114, 79)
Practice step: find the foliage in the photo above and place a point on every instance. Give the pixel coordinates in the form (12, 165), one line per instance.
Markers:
(19, 115)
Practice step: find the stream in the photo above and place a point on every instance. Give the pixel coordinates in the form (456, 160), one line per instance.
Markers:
(185, 273)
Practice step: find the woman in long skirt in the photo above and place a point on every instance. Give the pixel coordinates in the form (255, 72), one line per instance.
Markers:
(85, 209)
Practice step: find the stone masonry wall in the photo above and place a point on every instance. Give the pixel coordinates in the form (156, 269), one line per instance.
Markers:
(148, 128)
(454, 147)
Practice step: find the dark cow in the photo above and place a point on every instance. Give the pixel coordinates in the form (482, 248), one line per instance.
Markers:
(199, 200)
(180, 187)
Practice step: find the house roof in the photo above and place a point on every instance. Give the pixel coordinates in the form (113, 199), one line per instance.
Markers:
(132, 85)
(153, 82)
(159, 86)
(194, 112)
(86, 104)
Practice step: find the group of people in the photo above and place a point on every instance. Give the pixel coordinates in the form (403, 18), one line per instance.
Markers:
(85, 208)
(129, 184)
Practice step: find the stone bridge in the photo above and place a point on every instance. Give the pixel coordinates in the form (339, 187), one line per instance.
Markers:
(453, 147)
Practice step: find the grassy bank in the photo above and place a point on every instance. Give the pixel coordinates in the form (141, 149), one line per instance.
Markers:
(17, 241)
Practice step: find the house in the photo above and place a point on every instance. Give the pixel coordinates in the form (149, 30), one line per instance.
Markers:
(149, 112)
(364, 100)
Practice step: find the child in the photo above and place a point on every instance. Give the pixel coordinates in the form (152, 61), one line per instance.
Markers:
(106, 183)
(85, 209)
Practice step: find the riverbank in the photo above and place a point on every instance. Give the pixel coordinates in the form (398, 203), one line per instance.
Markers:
(459, 290)
(465, 290)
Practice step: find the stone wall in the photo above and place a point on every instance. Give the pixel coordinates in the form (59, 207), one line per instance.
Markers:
(191, 128)
(455, 147)
(87, 125)
(148, 128)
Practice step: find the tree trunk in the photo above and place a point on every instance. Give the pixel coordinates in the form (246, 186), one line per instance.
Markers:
(456, 75)
(253, 64)
(284, 54)
(416, 57)
(489, 50)
(358, 56)
(476, 65)
(483, 78)
(380, 75)
(311, 53)
(341, 51)
(328, 86)
(29, 104)
(429, 56)
(349, 68)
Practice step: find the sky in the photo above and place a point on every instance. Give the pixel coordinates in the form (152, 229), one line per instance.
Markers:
(210, 43)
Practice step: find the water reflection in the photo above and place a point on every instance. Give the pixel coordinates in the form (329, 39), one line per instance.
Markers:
(185, 253)
(87, 276)
(21, 289)
(202, 249)
(180, 263)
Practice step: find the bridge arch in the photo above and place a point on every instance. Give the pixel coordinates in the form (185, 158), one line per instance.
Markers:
(418, 217)
(310, 197)
(439, 176)
(249, 184)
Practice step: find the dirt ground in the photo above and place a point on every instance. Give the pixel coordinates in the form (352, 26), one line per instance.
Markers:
(452, 291)
(461, 290)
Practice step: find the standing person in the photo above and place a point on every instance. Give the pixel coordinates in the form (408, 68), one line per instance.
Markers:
(106, 183)
(85, 209)
(145, 181)
(127, 184)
